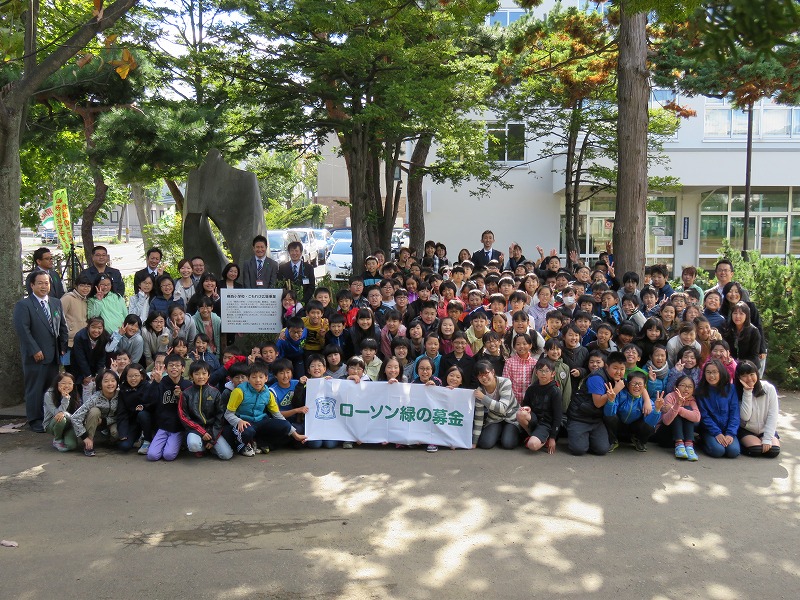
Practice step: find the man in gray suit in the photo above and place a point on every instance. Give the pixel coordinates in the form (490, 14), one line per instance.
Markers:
(260, 272)
(42, 331)
(44, 262)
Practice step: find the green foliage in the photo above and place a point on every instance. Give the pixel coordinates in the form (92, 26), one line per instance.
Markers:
(774, 288)
(167, 234)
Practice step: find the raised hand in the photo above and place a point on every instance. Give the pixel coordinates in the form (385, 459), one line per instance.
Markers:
(659, 401)
(610, 392)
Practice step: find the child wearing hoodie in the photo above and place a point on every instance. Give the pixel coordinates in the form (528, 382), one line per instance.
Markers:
(541, 411)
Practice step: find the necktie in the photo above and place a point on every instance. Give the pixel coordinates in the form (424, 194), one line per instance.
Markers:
(259, 269)
(296, 271)
(46, 309)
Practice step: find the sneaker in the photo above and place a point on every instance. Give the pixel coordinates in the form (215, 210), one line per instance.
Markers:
(638, 445)
(60, 446)
(144, 447)
(432, 448)
(680, 451)
(138, 443)
(690, 453)
(248, 450)
(347, 445)
(262, 450)
(614, 446)
(89, 452)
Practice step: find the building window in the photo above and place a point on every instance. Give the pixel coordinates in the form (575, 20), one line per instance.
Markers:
(506, 142)
(115, 216)
(770, 120)
(504, 18)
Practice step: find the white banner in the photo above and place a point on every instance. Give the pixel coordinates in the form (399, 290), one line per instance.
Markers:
(251, 311)
(400, 413)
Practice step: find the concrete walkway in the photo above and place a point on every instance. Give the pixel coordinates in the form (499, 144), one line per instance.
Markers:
(400, 524)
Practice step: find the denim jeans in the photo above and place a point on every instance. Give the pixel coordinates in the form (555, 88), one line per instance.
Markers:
(221, 448)
(716, 450)
(682, 429)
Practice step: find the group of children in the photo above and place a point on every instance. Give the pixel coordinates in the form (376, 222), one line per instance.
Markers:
(549, 353)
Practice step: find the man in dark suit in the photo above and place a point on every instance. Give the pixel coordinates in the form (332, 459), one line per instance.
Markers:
(44, 262)
(296, 271)
(153, 269)
(100, 265)
(260, 272)
(43, 335)
(482, 257)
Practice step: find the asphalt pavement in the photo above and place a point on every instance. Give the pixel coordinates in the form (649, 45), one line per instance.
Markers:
(376, 522)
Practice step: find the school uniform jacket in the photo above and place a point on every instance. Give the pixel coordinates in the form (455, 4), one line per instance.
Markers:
(305, 272)
(269, 273)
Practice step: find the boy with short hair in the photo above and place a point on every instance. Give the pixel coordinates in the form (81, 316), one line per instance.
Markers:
(391, 330)
(339, 336)
(479, 326)
(428, 317)
(687, 336)
(344, 300)
(128, 338)
(370, 276)
(254, 417)
(283, 389)
(203, 415)
(610, 311)
(586, 430)
(323, 296)
(552, 326)
(316, 326)
(291, 343)
(357, 289)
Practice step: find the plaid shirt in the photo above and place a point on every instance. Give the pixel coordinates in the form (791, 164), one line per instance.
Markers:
(520, 372)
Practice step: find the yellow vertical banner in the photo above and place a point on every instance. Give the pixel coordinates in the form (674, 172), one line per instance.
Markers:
(62, 221)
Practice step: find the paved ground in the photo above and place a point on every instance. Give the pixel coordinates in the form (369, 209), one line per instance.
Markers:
(385, 523)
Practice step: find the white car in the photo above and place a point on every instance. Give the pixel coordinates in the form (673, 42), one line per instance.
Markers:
(340, 261)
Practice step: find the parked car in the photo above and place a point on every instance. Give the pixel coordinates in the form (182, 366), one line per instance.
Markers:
(278, 240)
(324, 243)
(340, 260)
(49, 236)
(400, 239)
(309, 240)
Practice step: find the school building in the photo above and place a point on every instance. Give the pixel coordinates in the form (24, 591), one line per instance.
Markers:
(707, 156)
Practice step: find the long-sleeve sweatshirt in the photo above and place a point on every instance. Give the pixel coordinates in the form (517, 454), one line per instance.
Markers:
(545, 403)
(51, 408)
(671, 409)
(164, 402)
(129, 399)
(759, 414)
(107, 407)
(134, 345)
(501, 405)
(719, 411)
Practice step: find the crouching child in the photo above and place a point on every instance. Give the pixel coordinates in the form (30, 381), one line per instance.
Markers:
(203, 414)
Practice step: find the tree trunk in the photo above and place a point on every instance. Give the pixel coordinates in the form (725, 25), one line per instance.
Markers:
(177, 195)
(10, 254)
(357, 158)
(90, 212)
(142, 206)
(571, 175)
(416, 203)
(120, 225)
(632, 94)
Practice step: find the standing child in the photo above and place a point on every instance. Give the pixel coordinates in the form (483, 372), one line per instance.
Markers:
(460, 357)
(334, 365)
(316, 327)
(291, 306)
(346, 308)
(657, 371)
(369, 353)
(431, 352)
(164, 399)
(208, 323)
(402, 351)
(339, 336)
(393, 329)
(519, 366)
(291, 342)
(203, 414)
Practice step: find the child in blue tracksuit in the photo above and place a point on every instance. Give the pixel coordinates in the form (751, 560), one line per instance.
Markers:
(633, 412)
(291, 345)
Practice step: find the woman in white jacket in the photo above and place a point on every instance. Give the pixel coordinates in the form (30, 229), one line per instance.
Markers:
(758, 407)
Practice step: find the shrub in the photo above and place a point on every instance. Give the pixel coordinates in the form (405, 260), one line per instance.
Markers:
(774, 287)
